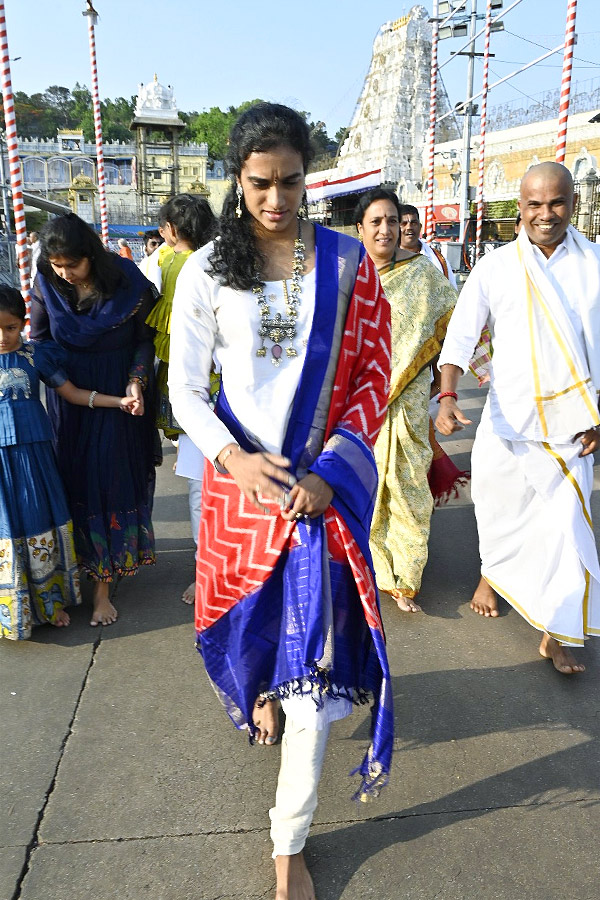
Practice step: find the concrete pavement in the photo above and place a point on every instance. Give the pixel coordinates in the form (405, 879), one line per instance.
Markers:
(122, 777)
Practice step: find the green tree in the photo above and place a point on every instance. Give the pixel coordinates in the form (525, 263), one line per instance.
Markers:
(82, 112)
(59, 99)
(214, 126)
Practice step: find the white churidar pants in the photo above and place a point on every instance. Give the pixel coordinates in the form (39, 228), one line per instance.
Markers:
(195, 500)
(302, 753)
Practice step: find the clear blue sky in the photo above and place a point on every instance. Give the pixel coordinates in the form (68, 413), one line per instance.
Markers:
(312, 54)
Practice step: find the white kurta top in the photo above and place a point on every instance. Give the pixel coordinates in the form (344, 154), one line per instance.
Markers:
(495, 293)
(212, 320)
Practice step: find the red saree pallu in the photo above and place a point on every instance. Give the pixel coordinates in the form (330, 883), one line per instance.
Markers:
(286, 608)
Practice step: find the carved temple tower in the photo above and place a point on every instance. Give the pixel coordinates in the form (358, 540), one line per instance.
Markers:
(391, 119)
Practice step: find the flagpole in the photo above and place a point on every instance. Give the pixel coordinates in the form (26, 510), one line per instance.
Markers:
(14, 162)
(92, 17)
(565, 87)
(429, 218)
(483, 129)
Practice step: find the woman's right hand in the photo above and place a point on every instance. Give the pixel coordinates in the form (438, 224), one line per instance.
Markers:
(264, 474)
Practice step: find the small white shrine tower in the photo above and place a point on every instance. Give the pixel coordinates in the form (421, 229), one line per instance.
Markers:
(157, 126)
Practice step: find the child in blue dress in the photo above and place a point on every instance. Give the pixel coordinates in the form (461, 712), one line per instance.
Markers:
(38, 568)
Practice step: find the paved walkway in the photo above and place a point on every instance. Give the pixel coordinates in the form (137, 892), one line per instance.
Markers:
(122, 777)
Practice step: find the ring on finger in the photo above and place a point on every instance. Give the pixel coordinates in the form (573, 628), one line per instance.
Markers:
(298, 516)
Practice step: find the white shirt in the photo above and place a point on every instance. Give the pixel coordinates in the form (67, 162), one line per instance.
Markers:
(210, 320)
(495, 293)
(35, 255)
(150, 268)
(426, 250)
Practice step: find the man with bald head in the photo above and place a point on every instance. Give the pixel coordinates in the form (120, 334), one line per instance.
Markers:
(532, 458)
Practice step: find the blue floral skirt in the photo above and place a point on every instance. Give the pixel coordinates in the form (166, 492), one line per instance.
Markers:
(38, 567)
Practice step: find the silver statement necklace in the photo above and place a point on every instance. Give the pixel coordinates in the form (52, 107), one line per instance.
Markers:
(275, 327)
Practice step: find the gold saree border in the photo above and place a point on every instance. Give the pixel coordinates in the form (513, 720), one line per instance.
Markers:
(428, 351)
(559, 637)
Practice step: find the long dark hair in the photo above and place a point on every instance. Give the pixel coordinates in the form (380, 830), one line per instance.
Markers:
(192, 218)
(72, 238)
(372, 197)
(236, 259)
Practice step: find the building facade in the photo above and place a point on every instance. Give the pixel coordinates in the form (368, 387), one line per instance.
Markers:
(138, 180)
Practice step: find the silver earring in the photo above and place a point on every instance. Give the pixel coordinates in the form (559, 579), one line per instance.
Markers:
(239, 194)
(303, 210)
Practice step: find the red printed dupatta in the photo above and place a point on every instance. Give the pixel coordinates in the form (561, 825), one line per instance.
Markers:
(273, 597)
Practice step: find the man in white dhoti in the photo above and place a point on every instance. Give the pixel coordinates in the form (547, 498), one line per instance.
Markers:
(531, 463)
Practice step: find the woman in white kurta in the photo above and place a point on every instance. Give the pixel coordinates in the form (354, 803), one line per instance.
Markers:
(277, 597)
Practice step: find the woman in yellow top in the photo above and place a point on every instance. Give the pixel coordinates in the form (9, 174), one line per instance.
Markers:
(421, 301)
(187, 223)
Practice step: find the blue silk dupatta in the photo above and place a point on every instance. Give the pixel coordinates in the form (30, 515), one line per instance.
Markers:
(291, 607)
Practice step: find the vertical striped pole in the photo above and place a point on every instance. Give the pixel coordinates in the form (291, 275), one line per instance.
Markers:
(429, 221)
(565, 87)
(92, 17)
(14, 163)
(484, 97)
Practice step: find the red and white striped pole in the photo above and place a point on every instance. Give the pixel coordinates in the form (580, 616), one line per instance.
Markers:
(14, 162)
(565, 87)
(484, 96)
(92, 17)
(429, 220)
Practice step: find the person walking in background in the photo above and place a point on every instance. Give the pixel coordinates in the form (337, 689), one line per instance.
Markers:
(421, 301)
(296, 318)
(149, 265)
(125, 249)
(95, 305)
(410, 239)
(187, 223)
(532, 464)
(38, 567)
(34, 249)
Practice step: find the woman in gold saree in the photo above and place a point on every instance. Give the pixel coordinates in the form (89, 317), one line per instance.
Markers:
(422, 301)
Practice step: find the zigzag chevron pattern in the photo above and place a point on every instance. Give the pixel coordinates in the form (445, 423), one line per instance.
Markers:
(339, 535)
(361, 386)
(238, 547)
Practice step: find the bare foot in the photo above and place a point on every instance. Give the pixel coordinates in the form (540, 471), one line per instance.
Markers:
(266, 719)
(61, 619)
(406, 604)
(484, 600)
(104, 612)
(562, 659)
(293, 878)
(189, 595)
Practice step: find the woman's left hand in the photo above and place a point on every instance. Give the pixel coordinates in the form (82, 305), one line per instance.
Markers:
(132, 405)
(134, 389)
(309, 497)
